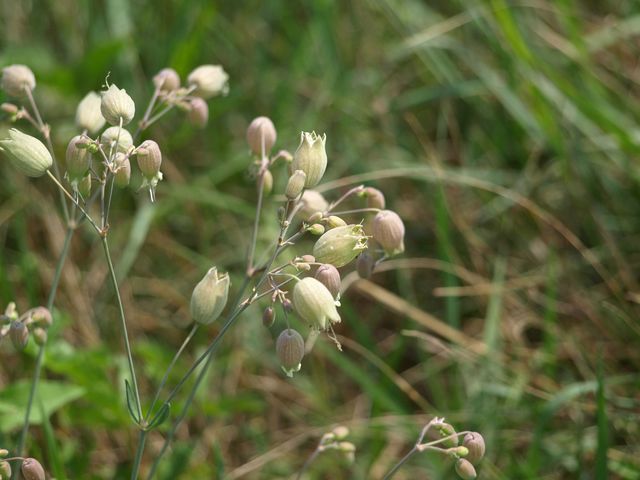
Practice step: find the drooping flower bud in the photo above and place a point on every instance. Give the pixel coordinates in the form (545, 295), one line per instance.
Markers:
(117, 104)
(312, 202)
(209, 81)
(316, 229)
(340, 245)
(268, 316)
(84, 186)
(32, 470)
(388, 231)
(267, 180)
(341, 432)
(5, 470)
(77, 160)
(198, 112)
(42, 316)
(19, 334)
(122, 168)
(40, 336)
(110, 136)
(465, 469)
(334, 221)
(167, 80)
(447, 430)
(209, 297)
(88, 114)
(311, 157)
(375, 198)
(290, 350)
(475, 444)
(26, 153)
(329, 276)
(295, 185)
(314, 303)
(261, 129)
(365, 265)
(149, 160)
(16, 79)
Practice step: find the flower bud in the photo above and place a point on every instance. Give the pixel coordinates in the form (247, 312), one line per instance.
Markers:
(365, 265)
(287, 305)
(340, 245)
(375, 198)
(458, 451)
(122, 168)
(39, 335)
(314, 303)
(149, 160)
(261, 129)
(311, 157)
(295, 185)
(290, 350)
(3, 453)
(88, 114)
(42, 316)
(26, 153)
(334, 221)
(308, 258)
(116, 105)
(19, 334)
(316, 229)
(388, 231)
(167, 80)
(11, 311)
(77, 160)
(349, 450)
(110, 136)
(198, 112)
(268, 316)
(475, 444)
(84, 186)
(209, 80)
(5, 470)
(446, 430)
(329, 276)
(32, 470)
(9, 108)
(316, 217)
(16, 79)
(465, 469)
(341, 432)
(209, 297)
(312, 202)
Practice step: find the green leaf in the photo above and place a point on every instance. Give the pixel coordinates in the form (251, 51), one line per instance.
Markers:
(132, 405)
(161, 416)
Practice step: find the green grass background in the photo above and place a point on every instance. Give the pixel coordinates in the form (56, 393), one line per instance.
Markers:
(504, 133)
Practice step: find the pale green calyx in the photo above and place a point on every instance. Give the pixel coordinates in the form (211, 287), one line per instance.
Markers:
(210, 297)
(117, 105)
(311, 157)
(78, 160)
(26, 153)
(88, 114)
(290, 350)
(314, 303)
(115, 134)
(388, 231)
(340, 245)
(17, 79)
(209, 81)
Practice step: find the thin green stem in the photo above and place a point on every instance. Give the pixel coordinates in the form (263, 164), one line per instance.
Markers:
(309, 461)
(75, 202)
(256, 221)
(142, 438)
(39, 360)
(123, 320)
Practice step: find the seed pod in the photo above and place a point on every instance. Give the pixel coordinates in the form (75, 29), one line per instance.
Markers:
(42, 316)
(5, 470)
(329, 276)
(311, 157)
(375, 198)
(198, 112)
(388, 231)
(32, 470)
(39, 336)
(295, 185)
(209, 297)
(84, 186)
(149, 159)
(316, 229)
(340, 245)
(261, 129)
(334, 222)
(209, 81)
(16, 79)
(167, 80)
(122, 167)
(26, 153)
(290, 350)
(476, 446)
(268, 316)
(110, 136)
(19, 334)
(365, 265)
(117, 105)
(312, 203)
(88, 114)
(465, 469)
(314, 303)
(77, 159)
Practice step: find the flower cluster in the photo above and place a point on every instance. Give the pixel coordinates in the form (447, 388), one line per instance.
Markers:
(19, 328)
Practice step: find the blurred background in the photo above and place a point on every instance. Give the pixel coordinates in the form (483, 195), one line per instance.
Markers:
(504, 133)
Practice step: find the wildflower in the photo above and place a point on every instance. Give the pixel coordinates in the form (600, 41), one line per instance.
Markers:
(261, 129)
(295, 185)
(475, 444)
(465, 469)
(167, 80)
(311, 157)
(388, 231)
(32, 470)
(110, 136)
(16, 79)
(26, 153)
(88, 114)
(340, 245)
(209, 297)
(198, 112)
(314, 303)
(290, 350)
(117, 105)
(122, 169)
(375, 198)
(77, 159)
(329, 276)
(209, 81)
(312, 202)
(19, 335)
